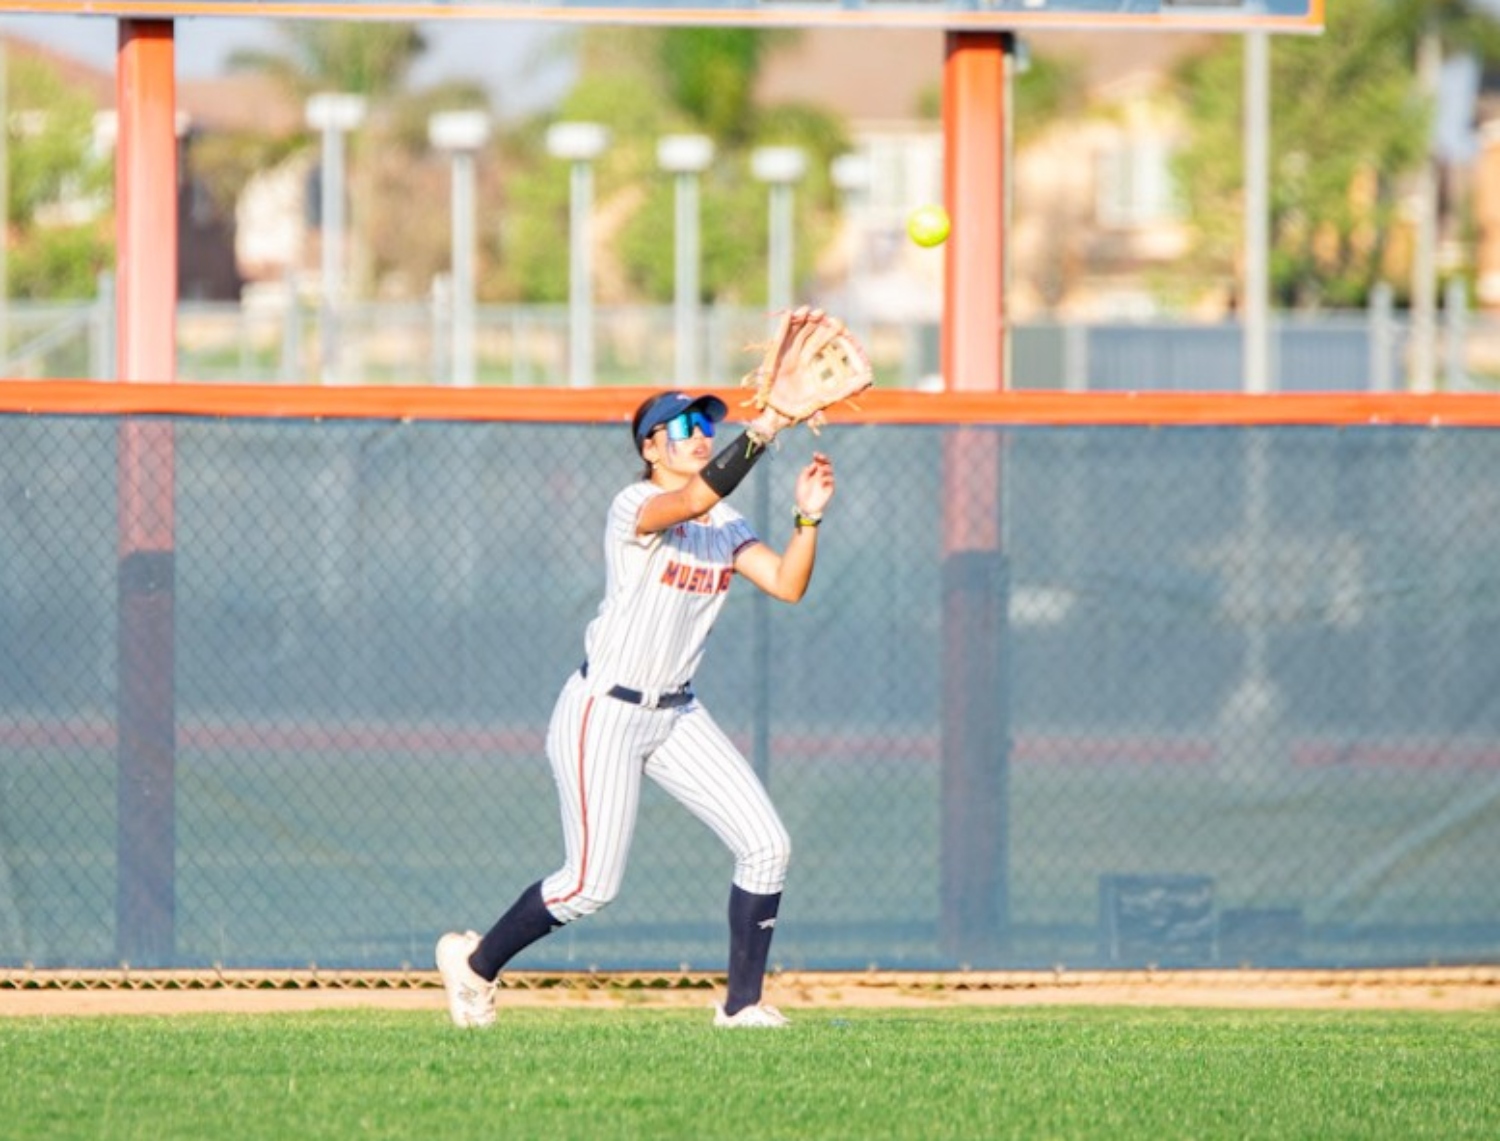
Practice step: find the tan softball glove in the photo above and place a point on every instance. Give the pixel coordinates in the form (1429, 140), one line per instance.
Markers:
(812, 363)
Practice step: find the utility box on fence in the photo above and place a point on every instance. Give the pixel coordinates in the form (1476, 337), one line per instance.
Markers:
(1156, 920)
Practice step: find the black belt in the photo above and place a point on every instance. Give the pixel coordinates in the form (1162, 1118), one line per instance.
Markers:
(635, 697)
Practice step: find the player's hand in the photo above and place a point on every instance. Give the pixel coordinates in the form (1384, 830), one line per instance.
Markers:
(815, 485)
(812, 363)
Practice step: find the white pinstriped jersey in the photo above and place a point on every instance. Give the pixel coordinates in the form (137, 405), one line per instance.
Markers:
(662, 593)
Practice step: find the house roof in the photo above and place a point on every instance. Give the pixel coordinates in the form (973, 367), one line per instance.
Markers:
(858, 73)
(98, 85)
(1106, 58)
(225, 103)
(870, 74)
(241, 102)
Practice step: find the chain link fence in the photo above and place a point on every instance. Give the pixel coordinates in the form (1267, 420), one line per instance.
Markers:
(1076, 696)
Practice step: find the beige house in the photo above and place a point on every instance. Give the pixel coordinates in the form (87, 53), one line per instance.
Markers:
(1094, 220)
(1485, 191)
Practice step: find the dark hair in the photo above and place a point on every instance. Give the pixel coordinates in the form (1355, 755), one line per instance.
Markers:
(635, 426)
(635, 421)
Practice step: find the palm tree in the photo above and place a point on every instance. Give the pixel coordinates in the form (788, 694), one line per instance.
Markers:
(350, 56)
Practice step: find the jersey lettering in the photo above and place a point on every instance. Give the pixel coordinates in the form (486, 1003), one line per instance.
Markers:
(697, 580)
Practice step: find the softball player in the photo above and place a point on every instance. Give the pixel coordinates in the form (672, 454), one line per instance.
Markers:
(672, 548)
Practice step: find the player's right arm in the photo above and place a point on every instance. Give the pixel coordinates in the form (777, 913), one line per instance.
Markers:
(663, 512)
(720, 476)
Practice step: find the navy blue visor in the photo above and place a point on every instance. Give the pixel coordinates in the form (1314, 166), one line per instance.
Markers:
(688, 411)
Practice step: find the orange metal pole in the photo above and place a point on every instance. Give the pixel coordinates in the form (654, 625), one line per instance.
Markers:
(976, 698)
(973, 333)
(974, 186)
(146, 240)
(146, 200)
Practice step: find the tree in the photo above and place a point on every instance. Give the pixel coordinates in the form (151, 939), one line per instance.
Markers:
(711, 73)
(354, 57)
(626, 87)
(59, 211)
(1460, 26)
(1347, 129)
(619, 89)
(1048, 89)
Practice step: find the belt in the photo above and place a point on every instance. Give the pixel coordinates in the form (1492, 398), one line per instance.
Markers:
(669, 700)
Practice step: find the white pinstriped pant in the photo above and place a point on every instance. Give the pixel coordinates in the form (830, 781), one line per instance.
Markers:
(601, 747)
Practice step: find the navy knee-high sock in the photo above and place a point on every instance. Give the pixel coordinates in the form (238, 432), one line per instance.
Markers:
(752, 922)
(527, 921)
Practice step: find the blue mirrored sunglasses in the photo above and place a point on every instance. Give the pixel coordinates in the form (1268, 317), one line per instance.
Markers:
(681, 427)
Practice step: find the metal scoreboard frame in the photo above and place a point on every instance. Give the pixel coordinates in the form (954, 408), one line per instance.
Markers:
(953, 15)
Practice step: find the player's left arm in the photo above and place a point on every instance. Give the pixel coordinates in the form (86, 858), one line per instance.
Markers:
(785, 576)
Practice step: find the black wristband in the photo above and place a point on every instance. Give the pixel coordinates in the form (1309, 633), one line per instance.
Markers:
(725, 471)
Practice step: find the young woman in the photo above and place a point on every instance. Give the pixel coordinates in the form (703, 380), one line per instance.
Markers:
(672, 548)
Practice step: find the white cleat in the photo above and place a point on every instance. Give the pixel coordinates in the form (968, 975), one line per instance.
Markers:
(758, 1017)
(471, 1000)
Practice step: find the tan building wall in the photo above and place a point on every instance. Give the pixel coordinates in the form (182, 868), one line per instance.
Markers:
(1486, 191)
(1092, 227)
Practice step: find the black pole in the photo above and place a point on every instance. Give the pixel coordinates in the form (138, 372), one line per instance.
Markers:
(145, 906)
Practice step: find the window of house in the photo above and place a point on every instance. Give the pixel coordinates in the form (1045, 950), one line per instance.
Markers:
(906, 170)
(1134, 186)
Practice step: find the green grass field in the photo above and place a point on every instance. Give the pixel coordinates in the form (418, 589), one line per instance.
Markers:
(965, 1073)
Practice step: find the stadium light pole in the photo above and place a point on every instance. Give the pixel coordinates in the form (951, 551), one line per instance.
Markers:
(333, 114)
(851, 177)
(685, 157)
(460, 135)
(579, 144)
(780, 168)
(1253, 709)
(1423, 370)
(1256, 360)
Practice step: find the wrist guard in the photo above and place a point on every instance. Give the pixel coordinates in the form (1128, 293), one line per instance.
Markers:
(725, 471)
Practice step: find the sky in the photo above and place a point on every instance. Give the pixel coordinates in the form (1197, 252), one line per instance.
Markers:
(517, 61)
